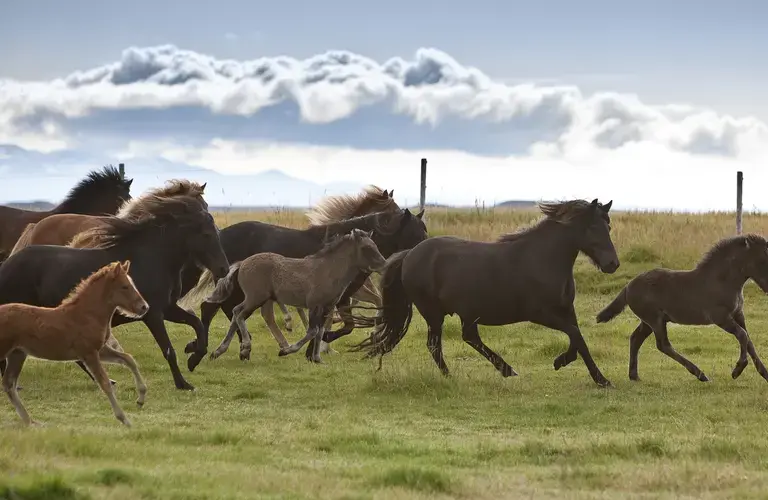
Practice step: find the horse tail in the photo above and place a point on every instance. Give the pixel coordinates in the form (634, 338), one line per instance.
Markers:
(614, 308)
(197, 295)
(396, 310)
(24, 239)
(225, 285)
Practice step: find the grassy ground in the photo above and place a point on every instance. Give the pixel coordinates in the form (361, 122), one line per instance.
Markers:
(281, 428)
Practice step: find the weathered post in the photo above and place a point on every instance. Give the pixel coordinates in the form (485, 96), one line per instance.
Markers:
(423, 194)
(739, 188)
(121, 167)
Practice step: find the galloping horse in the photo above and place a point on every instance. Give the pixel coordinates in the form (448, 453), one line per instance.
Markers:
(392, 231)
(169, 233)
(99, 193)
(525, 276)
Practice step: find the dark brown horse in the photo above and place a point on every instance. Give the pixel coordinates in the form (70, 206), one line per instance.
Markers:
(526, 276)
(100, 193)
(709, 294)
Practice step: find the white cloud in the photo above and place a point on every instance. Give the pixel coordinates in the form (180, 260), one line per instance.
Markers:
(429, 88)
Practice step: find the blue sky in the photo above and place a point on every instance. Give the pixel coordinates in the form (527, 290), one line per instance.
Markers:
(607, 80)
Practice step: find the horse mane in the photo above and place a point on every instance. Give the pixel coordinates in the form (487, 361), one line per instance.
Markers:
(728, 248)
(562, 212)
(92, 186)
(141, 205)
(345, 206)
(177, 211)
(87, 282)
(378, 222)
(331, 244)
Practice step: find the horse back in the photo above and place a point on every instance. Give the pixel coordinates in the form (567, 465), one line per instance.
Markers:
(247, 238)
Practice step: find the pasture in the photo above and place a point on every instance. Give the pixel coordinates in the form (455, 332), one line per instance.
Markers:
(284, 428)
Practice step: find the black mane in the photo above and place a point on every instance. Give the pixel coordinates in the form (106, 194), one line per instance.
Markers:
(94, 185)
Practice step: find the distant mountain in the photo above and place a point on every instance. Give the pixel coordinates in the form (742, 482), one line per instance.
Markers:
(517, 204)
(31, 175)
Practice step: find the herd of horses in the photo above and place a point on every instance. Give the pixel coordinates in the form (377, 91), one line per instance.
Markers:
(103, 258)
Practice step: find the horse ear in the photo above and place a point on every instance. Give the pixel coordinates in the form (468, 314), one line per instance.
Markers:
(391, 192)
(420, 214)
(607, 206)
(126, 266)
(202, 188)
(594, 202)
(129, 182)
(746, 243)
(369, 233)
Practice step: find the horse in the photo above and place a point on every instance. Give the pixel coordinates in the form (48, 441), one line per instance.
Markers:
(709, 294)
(170, 233)
(315, 282)
(341, 207)
(100, 192)
(60, 229)
(76, 329)
(524, 276)
(392, 231)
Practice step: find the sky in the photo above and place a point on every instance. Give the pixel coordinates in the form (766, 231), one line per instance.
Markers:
(652, 104)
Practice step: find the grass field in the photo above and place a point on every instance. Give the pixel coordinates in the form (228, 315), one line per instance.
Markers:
(282, 428)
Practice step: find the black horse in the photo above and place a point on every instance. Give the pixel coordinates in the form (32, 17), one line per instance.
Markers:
(526, 276)
(392, 232)
(101, 192)
(176, 230)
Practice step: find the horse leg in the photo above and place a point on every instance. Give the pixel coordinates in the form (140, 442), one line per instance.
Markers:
(316, 318)
(345, 313)
(156, 326)
(15, 362)
(471, 336)
(196, 348)
(565, 321)
(268, 314)
(324, 346)
(316, 344)
(642, 332)
(664, 345)
(230, 333)
(245, 346)
(736, 326)
(435, 343)
(110, 355)
(81, 365)
(287, 319)
(93, 363)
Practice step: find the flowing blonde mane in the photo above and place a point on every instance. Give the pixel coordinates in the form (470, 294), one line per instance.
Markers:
(335, 208)
(87, 282)
(141, 206)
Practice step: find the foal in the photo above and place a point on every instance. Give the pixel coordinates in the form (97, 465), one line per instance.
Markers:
(709, 294)
(316, 283)
(77, 329)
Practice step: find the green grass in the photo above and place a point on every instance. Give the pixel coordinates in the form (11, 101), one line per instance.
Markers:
(282, 428)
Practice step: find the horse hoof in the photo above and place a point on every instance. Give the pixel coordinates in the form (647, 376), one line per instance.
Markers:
(185, 386)
(508, 372)
(191, 347)
(283, 352)
(703, 377)
(140, 404)
(245, 357)
(112, 382)
(606, 384)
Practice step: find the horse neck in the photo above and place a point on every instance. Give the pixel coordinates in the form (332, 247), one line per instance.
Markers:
(337, 266)
(92, 300)
(159, 242)
(554, 243)
(730, 276)
(86, 206)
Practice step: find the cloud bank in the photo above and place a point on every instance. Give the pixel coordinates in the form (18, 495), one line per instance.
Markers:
(341, 116)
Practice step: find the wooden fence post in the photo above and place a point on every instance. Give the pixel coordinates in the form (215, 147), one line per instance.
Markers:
(122, 170)
(739, 189)
(423, 193)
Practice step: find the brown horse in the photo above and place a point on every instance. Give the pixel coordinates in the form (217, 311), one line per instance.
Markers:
(709, 294)
(334, 209)
(60, 229)
(525, 276)
(76, 329)
(100, 193)
(315, 282)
